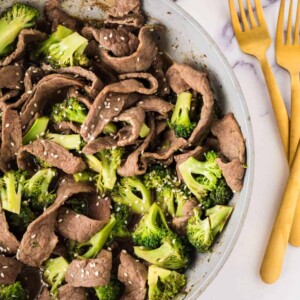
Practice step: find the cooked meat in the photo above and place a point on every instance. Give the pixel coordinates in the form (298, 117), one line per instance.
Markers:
(52, 153)
(134, 276)
(139, 61)
(101, 143)
(96, 272)
(233, 173)
(7, 96)
(125, 7)
(132, 21)
(156, 104)
(67, 292)
(11, 137)
(181, 77)
(44, 295)
(12, 77)
(230, 137)
(75, 226)
(66, 127)
(32, 76)
(10, 268)
(99, 208)
(26, 36)
(8, 242)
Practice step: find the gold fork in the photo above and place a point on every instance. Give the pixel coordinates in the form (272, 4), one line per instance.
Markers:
(254, 39)
(288, 56)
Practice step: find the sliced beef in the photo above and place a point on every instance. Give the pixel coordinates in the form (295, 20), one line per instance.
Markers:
(134, 276)
(119, 41)
(182, 77)
(139, 61)
(56, 16)
(39, 239)
(65, 127)
(7, 96)
(135, 164)
(11, 137)
(67, 292)
(44, 295)
(32, 76)
(26, 36)
(99, 208)
(8, 242)
(10, 268)
(75, 226)
(50, 89)
(101, 143)
(179, 223)
(156, 104)
(125, 7)
(52, 153)
(146, 78)
(230, 137)
(12, 77)
(233, 173)
(109, 104)
(132, 21)
(105, 73)
(90, 272)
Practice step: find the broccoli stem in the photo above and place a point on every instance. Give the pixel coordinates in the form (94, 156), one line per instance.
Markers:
(37, 130)
(108, 174)
(68, 141)
(110, 128)
(144, 131)
(93, 163)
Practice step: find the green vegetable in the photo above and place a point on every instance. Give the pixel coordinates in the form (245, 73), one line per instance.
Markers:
(144, 131)
(164, 284)
(54, 273)
(80, 206)
(131, 191)
(202, 233)
(16, 18)
(84, 176)
(111, 291)
(208, 174)
(151, 229)
(37, 130)
(93, 163)
(122, 213)
(12, 291)
(68, 141)
(180, 120)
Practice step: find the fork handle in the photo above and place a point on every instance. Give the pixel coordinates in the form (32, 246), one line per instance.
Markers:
(279, 108)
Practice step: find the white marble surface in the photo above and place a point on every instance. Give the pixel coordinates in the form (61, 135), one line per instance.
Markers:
(239, 279)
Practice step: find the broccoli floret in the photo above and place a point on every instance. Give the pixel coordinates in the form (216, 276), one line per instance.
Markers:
(170, 255)
(180, 121)
(111, 291)
(208, 174)
(11, 188)
(12, 291)
(164, 284)
(221, 195)
(84, 176)
(60, 33)
(37, 130)
(131, 191)
(16, 18)
(54, 273)
(122, 213)
(80, 206)
(110, 162)
(92, 247)
(19, 223)
(68, 52)
(201, 233)
(36, 189)
(181, 196)
(151, 229)
(68, 141)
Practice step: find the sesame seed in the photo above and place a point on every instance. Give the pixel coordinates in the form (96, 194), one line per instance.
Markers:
(12, 144)
(33, 236)
(105, 38)
(6, 125)
(2, 275)
(60, 220)
(124, 251)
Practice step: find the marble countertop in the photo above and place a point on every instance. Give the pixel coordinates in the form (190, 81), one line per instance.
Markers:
(239, 278)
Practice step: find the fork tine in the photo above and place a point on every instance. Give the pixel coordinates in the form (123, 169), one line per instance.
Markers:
(251, 14)
(296, 33)
(280, 24)
(260, 12)
(234, 17)
(289, 26)
(243, 15)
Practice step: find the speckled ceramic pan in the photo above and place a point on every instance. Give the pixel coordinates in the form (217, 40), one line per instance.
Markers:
(186, 41)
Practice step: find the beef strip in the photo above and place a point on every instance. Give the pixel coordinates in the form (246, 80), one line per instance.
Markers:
(135, 164)
(119, 41)
(149, 80)
(26, 36)
(109, 103)
(48, 90)
(11, 137)
(44, 295)
(179, 223)
(182, 77)
(156, 104)
(101, 143)
(105, 73)
(139, 61)
(7, 96)
(125, 7)
(134, 276)
(67, 292)
(75, 226)
(233, 173)
(39, 239)
(32, 76)
(230, 137)
(10, 268)
(99, 208)
(52, 153)
(8, 242)
(12, 77)
(90, 272)
(65, 127)
(132, 21)
(56, 16)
